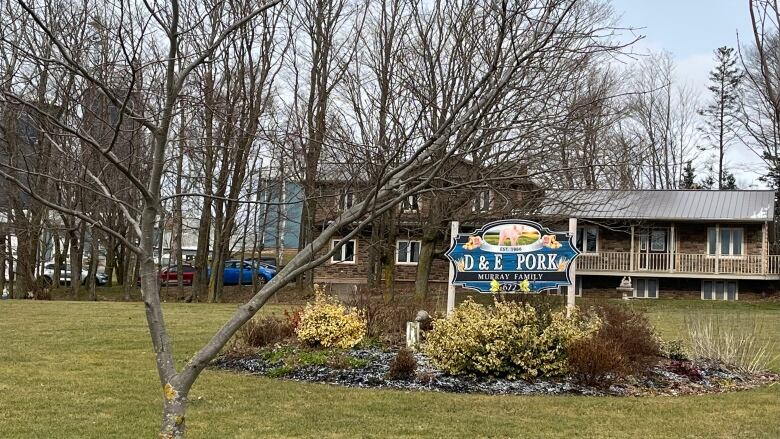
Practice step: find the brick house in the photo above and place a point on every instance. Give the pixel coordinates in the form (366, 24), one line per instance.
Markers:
(414, 218)
(714, 245)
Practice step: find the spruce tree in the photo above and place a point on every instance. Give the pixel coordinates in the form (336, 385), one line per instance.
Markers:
(688, 180)
(721, 113)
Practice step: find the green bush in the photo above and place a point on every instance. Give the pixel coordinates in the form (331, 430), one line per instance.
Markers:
(505, 340)
(328, 323)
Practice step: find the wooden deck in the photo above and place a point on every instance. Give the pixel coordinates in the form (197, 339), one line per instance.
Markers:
(624, 263)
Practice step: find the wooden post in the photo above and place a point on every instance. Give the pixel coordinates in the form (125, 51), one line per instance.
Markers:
(631, 259)
(672, 249)
(572, 290)
(454, 227)
(717, 249)
(764, 248)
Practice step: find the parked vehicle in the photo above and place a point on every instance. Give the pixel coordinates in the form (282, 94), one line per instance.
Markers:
(244, 271)
(48, 275)
(169, 275)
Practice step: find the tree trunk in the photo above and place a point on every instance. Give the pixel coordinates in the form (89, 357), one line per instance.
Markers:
(91, 280)
(427, 248)
(110, 244)
(128, 276)
(58, 259)
(173, 419)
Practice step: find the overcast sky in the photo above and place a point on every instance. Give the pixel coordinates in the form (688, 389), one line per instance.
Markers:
(691, 30)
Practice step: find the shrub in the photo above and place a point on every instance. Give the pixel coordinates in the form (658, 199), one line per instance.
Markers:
(507, 339)
(328, 323)
(730, 341)
(387, 319)
(403, 366)
(260, 332)
(624, 344)
(293, 317)
(673, 349)
(595, 361)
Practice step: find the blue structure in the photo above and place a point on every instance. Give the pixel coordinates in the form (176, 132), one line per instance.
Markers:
(283, 214)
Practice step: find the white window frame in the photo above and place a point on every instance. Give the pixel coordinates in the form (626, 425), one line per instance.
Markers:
(411, 204)
(408, 251)
(582, 235)
(346, 200)
(736, 289)
(645, 296)
(480, 204)
(342, 250)
(718, 230)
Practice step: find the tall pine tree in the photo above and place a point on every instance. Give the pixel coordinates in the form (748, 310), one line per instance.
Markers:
(689, 177)
(720, 114)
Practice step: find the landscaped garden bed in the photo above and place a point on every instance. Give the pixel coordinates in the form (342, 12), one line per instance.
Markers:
(371, 366)
(510, 348)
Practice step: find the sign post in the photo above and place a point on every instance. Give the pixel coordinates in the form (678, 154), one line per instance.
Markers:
(511, 256)
(571, 291)
(454, 226)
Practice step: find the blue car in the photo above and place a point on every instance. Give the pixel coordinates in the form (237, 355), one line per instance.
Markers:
(236, 270)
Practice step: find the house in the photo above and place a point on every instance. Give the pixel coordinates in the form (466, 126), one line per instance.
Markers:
(418, 226)
(713, 245)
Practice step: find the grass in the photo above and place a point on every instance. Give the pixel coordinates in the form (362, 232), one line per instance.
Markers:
(82, 369)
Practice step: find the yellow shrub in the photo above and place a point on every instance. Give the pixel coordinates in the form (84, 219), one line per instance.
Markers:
(504, 340)
(328, 323)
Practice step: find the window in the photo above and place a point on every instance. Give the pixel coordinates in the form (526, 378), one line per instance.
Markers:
(588, 239)
(410, 204)
(482, 202)
(645, 288)
(658, 240)
(719, 290)
(344, 255)
(729, 240)
(407, 252)
(346, 200)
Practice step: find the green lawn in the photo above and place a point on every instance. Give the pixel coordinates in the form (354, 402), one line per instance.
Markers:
(81, 369)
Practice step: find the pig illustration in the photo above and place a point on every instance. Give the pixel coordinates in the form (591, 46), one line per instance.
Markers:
(511, 233)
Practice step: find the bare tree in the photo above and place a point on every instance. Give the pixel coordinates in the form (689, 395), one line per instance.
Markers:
(492, 114)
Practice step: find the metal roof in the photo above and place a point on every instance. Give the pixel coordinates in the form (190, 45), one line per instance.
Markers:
(733, 205)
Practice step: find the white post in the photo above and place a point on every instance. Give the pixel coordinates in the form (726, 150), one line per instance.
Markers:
(572, 290)
(672, 250)
(631, 259)
(454, 226)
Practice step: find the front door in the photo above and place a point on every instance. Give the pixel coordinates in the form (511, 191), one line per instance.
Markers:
(653, 249)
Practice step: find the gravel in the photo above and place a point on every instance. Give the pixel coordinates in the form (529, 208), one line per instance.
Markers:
(715, 378)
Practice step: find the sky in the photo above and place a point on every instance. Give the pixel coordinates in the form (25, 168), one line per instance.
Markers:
(691, 30)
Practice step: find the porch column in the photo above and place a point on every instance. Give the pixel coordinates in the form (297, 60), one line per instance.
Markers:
(717, 248)
(672, 249)
(764, 248)
(631, 255)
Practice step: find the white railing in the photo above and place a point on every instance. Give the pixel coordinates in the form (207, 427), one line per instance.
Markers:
(692, 263)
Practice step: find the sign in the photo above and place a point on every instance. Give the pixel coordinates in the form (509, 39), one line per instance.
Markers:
(512, 256)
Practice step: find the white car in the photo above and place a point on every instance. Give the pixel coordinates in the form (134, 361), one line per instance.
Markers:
(48, 275)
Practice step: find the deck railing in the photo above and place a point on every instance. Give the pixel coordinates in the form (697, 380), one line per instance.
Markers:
(685, 263)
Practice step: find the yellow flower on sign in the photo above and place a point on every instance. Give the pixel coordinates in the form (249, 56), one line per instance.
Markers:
(495, 286)
(524, 287)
